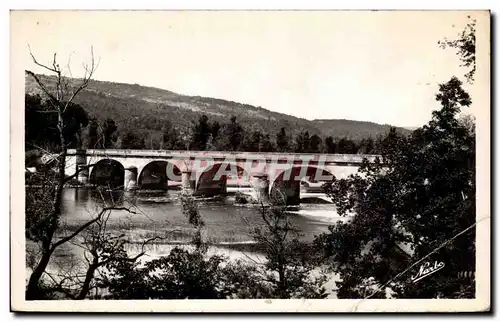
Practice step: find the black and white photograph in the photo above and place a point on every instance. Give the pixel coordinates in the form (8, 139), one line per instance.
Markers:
(273, 161)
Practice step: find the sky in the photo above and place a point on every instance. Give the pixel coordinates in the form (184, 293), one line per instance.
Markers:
(378, 66)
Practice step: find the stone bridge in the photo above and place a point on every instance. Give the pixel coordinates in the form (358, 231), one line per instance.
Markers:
(207, 172)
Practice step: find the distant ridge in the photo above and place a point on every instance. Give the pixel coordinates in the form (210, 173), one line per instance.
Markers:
(146, 109)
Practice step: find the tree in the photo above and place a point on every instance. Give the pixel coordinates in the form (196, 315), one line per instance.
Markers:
(254, 144)
(265, 144)
(288, 269)
(60, 99)
(201, 131)
(43, 201)
(346, 146)
(418, 200)
(182, 274)
(39, 129)
(131, 140)
(109, 133)
(302, 142)
(93, 135)
(170, 138)
(215, 127)
(179, 275)
(282, 140)
(369, 146)
(331, 146)
(366, 146)
(40, 190)
(231, 137)
(41, 124)
(465, 46)
(153, 141)
(306, 142)
(315, 145)
(101, 247)
(234, 132)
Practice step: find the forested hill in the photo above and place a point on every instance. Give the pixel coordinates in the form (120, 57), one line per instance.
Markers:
(146, 109)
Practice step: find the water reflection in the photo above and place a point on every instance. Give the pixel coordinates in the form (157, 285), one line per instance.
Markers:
(160, 212)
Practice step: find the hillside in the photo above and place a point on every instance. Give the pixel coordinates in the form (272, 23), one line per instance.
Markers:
(145, 109)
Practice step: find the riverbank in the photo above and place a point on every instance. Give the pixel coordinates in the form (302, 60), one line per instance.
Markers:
(68, 259)
(227, 231)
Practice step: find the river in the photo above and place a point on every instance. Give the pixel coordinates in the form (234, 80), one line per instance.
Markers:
(227, 227)
(160, 213)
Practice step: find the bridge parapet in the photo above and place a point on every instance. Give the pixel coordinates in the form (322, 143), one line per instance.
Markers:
(229, 155)
(208, 171)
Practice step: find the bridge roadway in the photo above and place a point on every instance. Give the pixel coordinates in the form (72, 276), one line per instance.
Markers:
(206, 172)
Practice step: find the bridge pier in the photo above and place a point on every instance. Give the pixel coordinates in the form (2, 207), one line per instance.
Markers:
(293, 193)
(187, 183)
(130, 179)
(260, 184)
(81, 167)
(110, 166)
(163, 181)
(212, 188)
(287, 192)
(154, 180)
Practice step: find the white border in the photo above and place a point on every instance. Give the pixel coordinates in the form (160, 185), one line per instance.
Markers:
(253, 305)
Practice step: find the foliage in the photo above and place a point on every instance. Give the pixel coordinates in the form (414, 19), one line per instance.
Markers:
(192, 213)
(234, 132)
(302, 142)
(93, 137)
(170, 139)
(61, 121)
(265, 144)
(419, 195)
(183, 273)
(109, 133)
(465, 46)
(179, 275)
(367, 146)
(146, 110)
(330, 145)
(132, 141)
(347, 146)
(41, 124)
(288, 270)
(254, 144)
(203, 135)
(315, 144)
(245, 280)
(282, 140)
(258, 142)
(201, 131)
(40, 189)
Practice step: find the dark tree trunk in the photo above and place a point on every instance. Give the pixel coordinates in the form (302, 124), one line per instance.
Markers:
(88, 278)
(33, 289)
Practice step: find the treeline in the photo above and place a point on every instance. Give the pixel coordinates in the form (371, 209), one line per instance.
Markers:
(145, 110)
(203, 135)
(415, 205)
(232, 136)
(399, 211)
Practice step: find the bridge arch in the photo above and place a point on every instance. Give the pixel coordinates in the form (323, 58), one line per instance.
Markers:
(212, 179)
(156, 174)
(108, 172)
(287, 184)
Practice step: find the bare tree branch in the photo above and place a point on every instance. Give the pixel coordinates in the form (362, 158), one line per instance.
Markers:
(43, 87)
(42, 65)
(89, 71)
(82, 168)
(87, 224)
